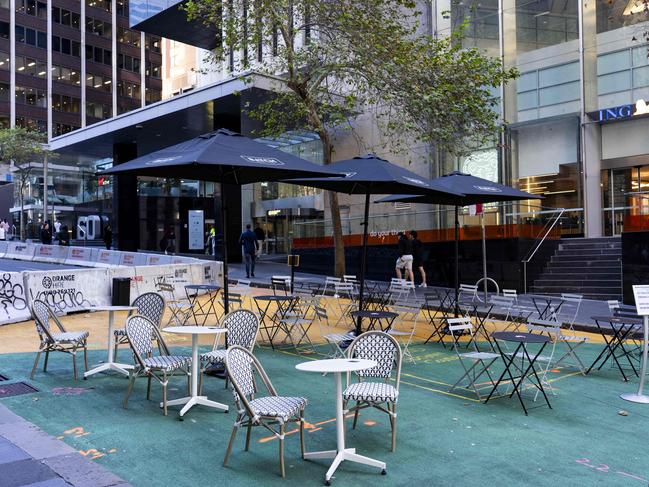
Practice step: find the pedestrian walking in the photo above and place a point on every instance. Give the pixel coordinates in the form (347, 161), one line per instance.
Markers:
(418, 257)
(261, 237)
(63, 235)
(210, 244)
(108, 237)
(169, 241)
(404, 262)
(3, 231)
(249, 244)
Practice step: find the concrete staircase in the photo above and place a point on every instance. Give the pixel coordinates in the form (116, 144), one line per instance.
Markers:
(588, 266)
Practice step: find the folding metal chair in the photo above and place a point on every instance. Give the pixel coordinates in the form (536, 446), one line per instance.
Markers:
(330, 282)
(405, 326)
(481, 361)
(570, 309)
(437, 314)
(559, 336)
(345, 299)
(511, 293)
(468, 292)
(267, 411)
(333, 338)
(180, 308)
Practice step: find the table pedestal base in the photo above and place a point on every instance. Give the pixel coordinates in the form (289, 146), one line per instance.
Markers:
(192, 401)
(122, 368)
(348, 454)
(633, 397)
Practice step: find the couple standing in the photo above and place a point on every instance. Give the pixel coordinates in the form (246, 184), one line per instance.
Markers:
(410, 255)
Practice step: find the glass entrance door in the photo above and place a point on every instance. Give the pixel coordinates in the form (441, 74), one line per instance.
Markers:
(625, 193)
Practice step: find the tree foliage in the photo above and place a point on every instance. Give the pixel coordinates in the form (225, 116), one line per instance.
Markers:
(20, 148)
(335, 59)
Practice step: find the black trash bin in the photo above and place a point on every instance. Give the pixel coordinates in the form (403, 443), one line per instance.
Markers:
(121, 291)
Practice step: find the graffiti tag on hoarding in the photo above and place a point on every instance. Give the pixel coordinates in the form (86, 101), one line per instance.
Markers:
(11, 295)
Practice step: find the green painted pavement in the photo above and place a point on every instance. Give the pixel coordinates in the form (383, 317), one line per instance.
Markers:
(443, 439)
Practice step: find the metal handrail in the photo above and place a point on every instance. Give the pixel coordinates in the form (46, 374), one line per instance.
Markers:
(527, 259)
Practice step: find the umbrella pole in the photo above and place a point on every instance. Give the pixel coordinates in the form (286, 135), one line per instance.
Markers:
(361, 292)
(484, 255)
(224, 218)
(457, 261)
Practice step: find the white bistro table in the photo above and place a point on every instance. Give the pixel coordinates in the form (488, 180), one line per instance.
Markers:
(110, 364)
(195, 399)
(337, 367)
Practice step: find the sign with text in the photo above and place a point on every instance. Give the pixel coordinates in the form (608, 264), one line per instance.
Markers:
(196, 228)
(641, 294)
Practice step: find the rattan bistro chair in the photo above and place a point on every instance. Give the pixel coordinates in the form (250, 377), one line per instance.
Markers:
(242, 328)
(272, 412)
(141, 332)
(61, 341)
(383, 390)
(150, 305)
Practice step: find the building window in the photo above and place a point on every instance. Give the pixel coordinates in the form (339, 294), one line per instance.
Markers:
(31, 96)
(61, 128)
(4, 60)
(66, 75)
(122, 8)
(99, 55)
(32, 67)
(128, 63)
(31, 124)
(4, 30)
(152, 96)
(65, 103)
(66, 17)
(152, 69)
(99, 82)
(128, 36)
(129, 90)
(66, 46)
(4, 91)
(101, 4)
(98, 110)
(153, 43)
(99, 28)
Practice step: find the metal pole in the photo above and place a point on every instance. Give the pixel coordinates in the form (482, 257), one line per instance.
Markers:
(224, 222)
(361, 291)
(457, 260)
(45, 189)
(484, 255)
(639, 396)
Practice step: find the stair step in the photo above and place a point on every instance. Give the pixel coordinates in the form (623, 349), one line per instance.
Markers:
(571, 252)
(593, 264)
(574, 258)
(577, 282)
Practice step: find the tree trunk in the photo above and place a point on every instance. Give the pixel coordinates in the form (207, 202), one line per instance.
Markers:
(334, 208)
(22, 217)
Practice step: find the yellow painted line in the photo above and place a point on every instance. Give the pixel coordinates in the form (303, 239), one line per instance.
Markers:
(439, 391)
(427, 380)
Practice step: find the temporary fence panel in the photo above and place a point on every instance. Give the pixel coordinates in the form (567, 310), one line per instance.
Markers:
(132, 258)
(20, 251)
(3, 247)
(149, 278)
(179, 259)
(106, 258)
(209, 272)
(13, 301)
(56, 254)
(69, 290)
(157, 259)
(81, 256)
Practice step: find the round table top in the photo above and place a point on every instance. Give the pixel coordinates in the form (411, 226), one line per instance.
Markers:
(273, 297)
(513, 336)
(336, 365)
(206, 287)
(111, 308)
(195, 330)
(374, 314)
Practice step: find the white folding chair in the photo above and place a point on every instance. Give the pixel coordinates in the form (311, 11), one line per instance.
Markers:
(181, 309)
(480, 361)
(559, 336)
(570, 309)
(345, 299)
(333, 338)
(468, 292)
(511, 293)
(503, 305)
(330, 283)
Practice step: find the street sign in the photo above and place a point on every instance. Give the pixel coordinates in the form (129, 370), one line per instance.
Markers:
(641, 294)
(196, 229)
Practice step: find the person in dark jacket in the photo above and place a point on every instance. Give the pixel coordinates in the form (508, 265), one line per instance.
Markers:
(404, 262)
(46, 233)
(418, 256)
(248, 241)
(108, 237)
(63, 235)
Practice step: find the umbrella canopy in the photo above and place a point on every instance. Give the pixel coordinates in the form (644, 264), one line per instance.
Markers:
(373, 175)
(474, 190)
(222, 156)
(471, 189)
(226, 157)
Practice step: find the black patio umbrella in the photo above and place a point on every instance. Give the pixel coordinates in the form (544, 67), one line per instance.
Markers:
(225, 157)
(373, 175)
(473, 190)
